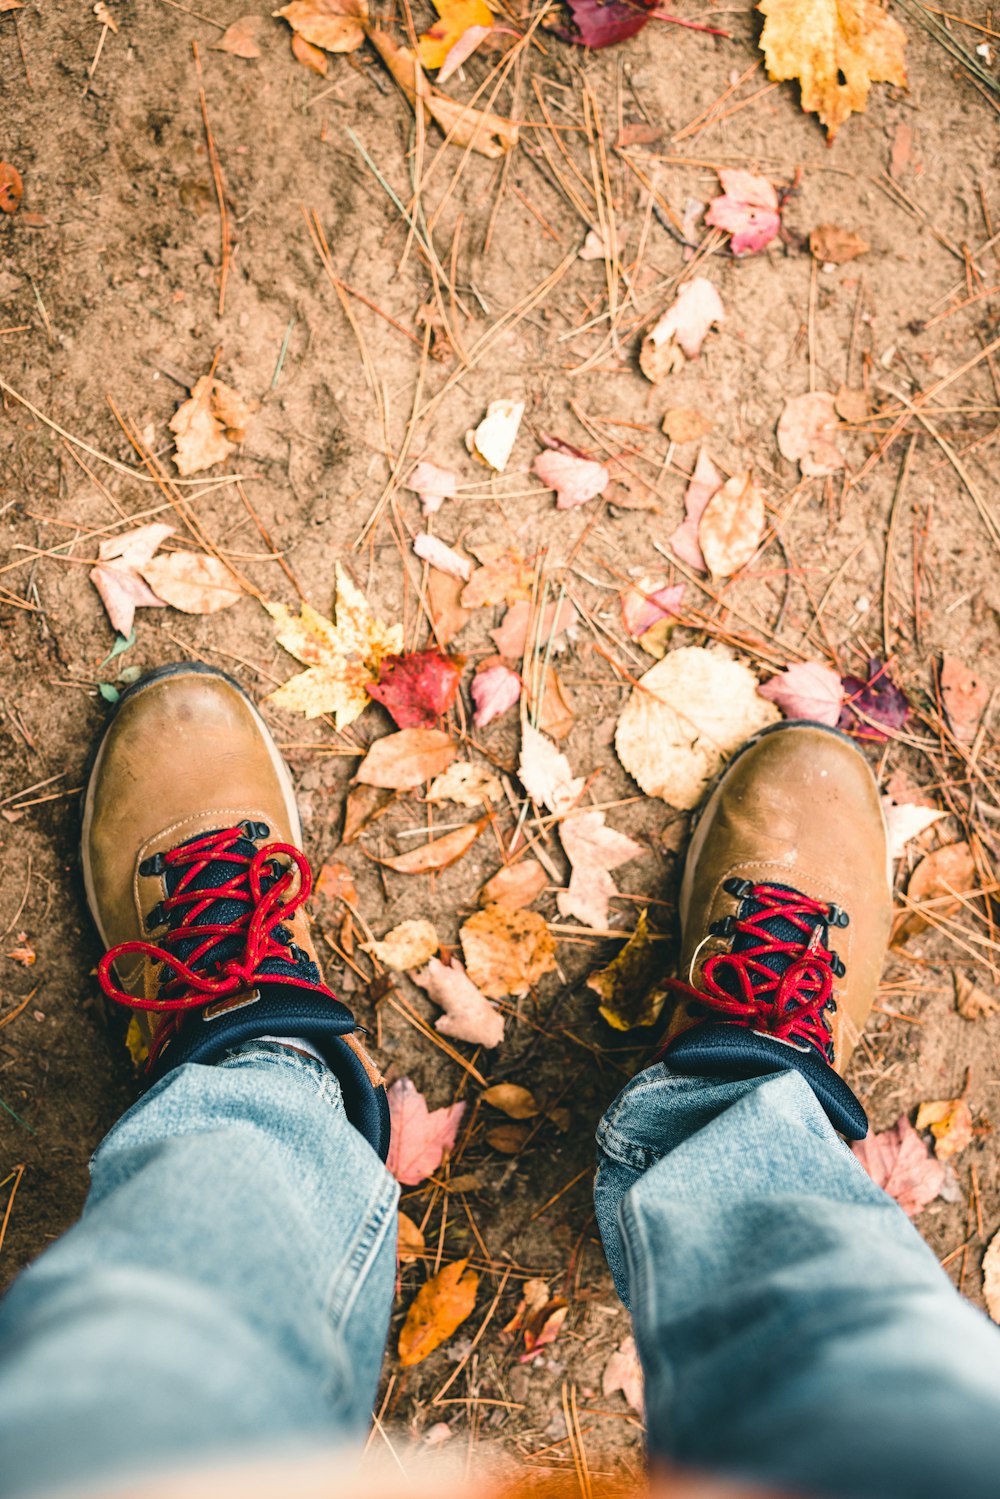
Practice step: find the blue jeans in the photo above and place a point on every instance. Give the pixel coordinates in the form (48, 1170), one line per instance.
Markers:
(229, 1286)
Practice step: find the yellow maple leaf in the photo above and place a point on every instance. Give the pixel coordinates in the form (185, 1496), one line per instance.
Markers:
(456, 17)
(836, 49)
(341, 656)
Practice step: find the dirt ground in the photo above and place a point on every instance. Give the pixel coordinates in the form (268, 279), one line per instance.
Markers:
(109, 304)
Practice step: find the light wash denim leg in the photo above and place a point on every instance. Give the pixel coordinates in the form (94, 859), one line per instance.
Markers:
(228, 1287)
(793, 1327)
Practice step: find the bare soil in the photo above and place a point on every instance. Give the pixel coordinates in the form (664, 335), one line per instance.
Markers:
(109, 304)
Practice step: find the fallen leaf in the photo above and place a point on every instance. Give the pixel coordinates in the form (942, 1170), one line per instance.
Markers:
(545, 773)
(309, 56)
(551, 706)
(419, 1136)
(439, 853)
(971, 1002)
(509, 1139)
(543, 1327)
(11, 188)
(836, 49)
(411, 944)
(950, 1122)
(902, 147)
(468, 785)
(873, 705)
(438, 1309)
(495, 689)
(404, 761)
(732, 525)
(965, 696)
(534, 1295)
(747, 209)
(938, 881)
(807, 431)
(117, 577)
(648, 602)
(898, 1161)
(448, 617)
(192, 582)
(493, 440)
(904, 821)
(512, 636)
(631, 987)
(503, 576)
(684, 718)
(433, 550)
(468, 1016)
(596, 246)
(362, 805)
(593, 850)
(991, 1277)
(807, 689)
(23, 952)
(136, 1043)
(511, 1099)
(575, 480)
(409, 1240)
(336, 882)
(832, 245)
(684, 424)
(681, 330)
(334, 25)
(515, 886)
(208, 426)
(434, 485)
(623, 1371)
(507, 952)
(240, 39)
(704, 483)
(464, 126)
(418, 688)
(455, 17)
(342, 658)
(462, 49)
(603, 23)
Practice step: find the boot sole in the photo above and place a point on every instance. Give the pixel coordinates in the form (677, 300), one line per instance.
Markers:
(160, 674)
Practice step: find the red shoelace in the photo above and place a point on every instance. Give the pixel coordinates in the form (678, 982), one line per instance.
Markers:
(789, 1005)
(199, 978)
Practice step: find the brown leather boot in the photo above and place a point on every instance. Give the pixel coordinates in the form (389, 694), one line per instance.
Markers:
(788, 861)
(196, 880)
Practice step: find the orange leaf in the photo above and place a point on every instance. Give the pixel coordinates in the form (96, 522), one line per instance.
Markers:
(439, 1307)
(437, 854)
(404, 761)
(732, 525)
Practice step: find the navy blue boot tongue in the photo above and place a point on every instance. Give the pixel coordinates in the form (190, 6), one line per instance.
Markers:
(215, 874)
(719, 1049)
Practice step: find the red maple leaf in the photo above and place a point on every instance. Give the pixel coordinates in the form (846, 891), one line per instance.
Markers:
(417, 688)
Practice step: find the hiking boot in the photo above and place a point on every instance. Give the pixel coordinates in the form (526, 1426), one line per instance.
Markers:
(785, 909)
(196, 880)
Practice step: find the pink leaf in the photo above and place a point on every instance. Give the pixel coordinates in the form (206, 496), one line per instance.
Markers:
(116, 576)
(545, 773)
(624, 1372)
(420, 1136)
(417, 688)
(494, 690)
(593, 849)
(468, 1016)
(748, 209)
(462, 50)
(898, 1161)
(647, 602)
(807, 689)
(705, 481)
(512, 635)
(431, 549)
(575, 480)
(434, 485)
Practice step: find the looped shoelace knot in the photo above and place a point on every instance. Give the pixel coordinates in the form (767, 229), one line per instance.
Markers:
(747, 987)
(260, 887)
